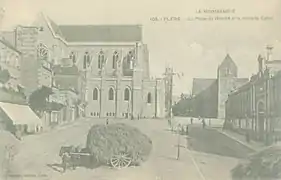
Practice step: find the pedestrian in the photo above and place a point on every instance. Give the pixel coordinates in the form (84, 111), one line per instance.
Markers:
(179, 128)
(191, 120)
(65, 160)
(107, 122)
(203, 123)
(186, 130)
(182, 130)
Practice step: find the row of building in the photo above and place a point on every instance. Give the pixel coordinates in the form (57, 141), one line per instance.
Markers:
(97, 71)
(255, 106)
(247, 105)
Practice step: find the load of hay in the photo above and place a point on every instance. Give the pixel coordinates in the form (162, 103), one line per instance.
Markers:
(105, 141)
(265, 164)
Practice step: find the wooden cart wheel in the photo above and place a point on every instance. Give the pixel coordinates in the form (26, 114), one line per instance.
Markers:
(122, 160)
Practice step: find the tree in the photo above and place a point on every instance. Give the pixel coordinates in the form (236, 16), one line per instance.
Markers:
(4, 76)
(38, 99)
(184, 106)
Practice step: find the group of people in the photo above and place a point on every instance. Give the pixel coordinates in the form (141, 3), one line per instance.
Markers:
(185, 130)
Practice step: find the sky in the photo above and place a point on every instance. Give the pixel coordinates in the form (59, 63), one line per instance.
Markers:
(194, 48)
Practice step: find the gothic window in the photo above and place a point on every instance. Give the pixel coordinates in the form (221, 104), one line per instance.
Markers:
(115, 60)
(42, 52)
(72, 56)
(95, 94)
(149, 98)
(100, 59)
(86, 60)
(111, 94)
(127, 94)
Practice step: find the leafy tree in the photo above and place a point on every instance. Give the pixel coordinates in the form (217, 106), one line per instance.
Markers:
(38, 99)
(4, 76)
(184, 106)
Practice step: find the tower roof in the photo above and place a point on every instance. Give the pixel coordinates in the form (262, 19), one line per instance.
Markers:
(228, 61)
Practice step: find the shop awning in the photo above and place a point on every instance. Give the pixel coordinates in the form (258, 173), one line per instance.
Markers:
(20, 114)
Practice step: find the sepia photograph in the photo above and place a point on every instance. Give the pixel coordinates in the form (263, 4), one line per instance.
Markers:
(140, 90)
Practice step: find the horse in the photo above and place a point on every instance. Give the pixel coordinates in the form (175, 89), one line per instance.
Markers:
(69, 159)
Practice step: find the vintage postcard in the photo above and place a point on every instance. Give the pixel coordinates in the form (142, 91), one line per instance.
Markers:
(140, 90)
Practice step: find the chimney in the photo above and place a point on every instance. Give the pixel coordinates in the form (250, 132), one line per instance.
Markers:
(260, 61)
(269, 52)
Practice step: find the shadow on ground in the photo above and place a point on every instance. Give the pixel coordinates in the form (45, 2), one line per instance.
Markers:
(84, 162)
(212, 142)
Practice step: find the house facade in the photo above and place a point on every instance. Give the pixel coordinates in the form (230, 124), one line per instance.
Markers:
(10, 61)
(255, 106)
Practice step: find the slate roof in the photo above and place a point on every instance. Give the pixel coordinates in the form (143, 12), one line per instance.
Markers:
(55, 28)
(200, 84)
(101, 33)
(98, 33)
(241, 80)
(72, 70)
(9, 45)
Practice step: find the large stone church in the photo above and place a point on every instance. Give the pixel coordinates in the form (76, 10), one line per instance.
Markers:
(210, 95)
(112, 60)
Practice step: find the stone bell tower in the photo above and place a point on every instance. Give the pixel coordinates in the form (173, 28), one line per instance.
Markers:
(226, 75)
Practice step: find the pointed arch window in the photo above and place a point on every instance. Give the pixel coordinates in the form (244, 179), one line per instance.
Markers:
(86, 60)
(72, 56)
(115, 60)
(149, 98)
(100, 59)
(95, 94)
(111, 94)
(127, 94)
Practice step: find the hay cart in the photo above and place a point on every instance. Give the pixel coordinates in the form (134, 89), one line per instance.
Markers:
(118, 145)
(118, 161)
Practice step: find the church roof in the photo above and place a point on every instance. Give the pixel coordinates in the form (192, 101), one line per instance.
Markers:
(55, 28)
(98, 33)
(101, 33)
(200, 84)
